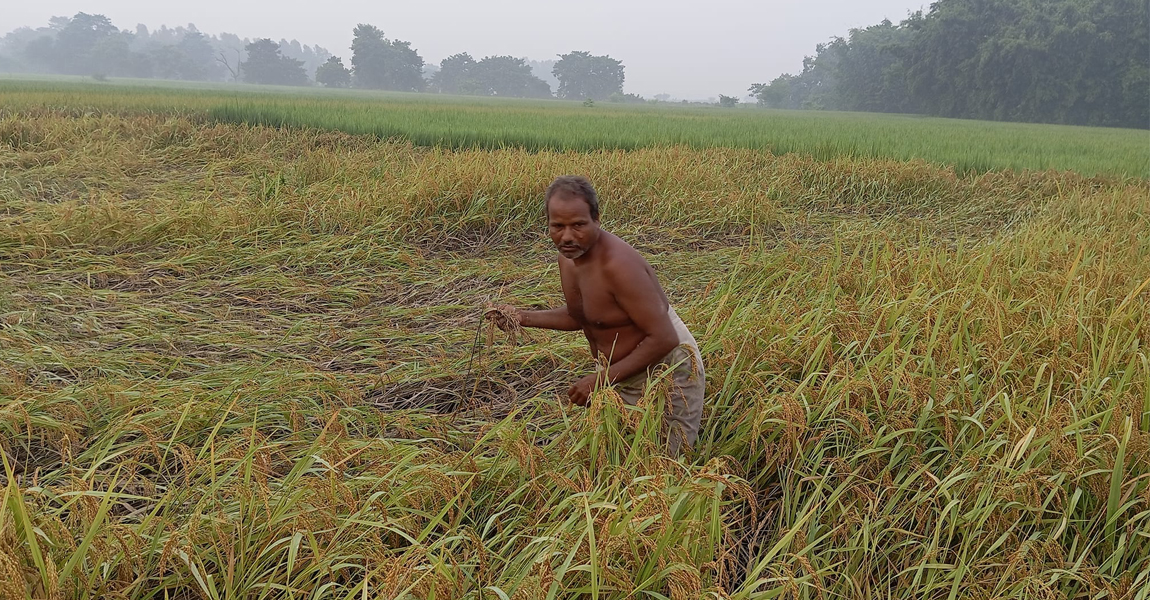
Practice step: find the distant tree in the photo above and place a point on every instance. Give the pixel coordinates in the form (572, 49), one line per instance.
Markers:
(77, 42)
(181, 53)
(1069, 61)
(172, 62)
(383, 64)
(1084, 62)
(510, 77)
(776, 94)
(41, 53)
(265, 65)
(814, 88)
(197, 48)
(168, 62)
(493, 76)
(728, 101)
(456, 75)
(871, 70)
(88, 44)
(14, 49)
(110, 55)
(333, 74)
(313, 57)
(369, 54)
(537, 88)
(81, 45)
(582, 75)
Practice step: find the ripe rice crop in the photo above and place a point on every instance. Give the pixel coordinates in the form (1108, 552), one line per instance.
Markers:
(235, 361)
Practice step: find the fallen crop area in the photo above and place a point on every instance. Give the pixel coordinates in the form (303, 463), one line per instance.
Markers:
(237, 361)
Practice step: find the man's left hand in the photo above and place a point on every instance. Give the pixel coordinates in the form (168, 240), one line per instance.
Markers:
(580, 391)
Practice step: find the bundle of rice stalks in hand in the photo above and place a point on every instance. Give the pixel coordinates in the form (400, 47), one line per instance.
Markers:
(506, 318)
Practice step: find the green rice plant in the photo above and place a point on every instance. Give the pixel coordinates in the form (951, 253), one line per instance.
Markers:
(458, 122)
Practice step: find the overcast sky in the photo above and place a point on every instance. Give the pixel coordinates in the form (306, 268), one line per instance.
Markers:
(690, 50)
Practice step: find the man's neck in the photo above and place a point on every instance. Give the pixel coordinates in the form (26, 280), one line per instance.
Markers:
(592, 253)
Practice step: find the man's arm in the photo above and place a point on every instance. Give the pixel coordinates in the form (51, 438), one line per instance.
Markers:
(556, 318)
(639, 296)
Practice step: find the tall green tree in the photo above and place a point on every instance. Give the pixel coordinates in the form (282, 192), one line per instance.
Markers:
(457, 75)
(77, 44)
(89, 44)
(504, 76)
(197, 48)
(813, 88)
(112, 55)
(509, 77)
(85, 44)
(1063, 61)
(870, 69)
(582, 75)
(1084, 62)
(333, 74)
(383, 64)
(169, 62)
(266, 65)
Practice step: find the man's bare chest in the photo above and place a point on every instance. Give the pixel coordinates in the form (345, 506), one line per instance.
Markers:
(591, 302)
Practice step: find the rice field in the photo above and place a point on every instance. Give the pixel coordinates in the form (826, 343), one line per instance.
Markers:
(241, 361)
(478, 123)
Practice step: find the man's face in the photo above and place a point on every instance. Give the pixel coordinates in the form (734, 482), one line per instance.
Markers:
(571, 226)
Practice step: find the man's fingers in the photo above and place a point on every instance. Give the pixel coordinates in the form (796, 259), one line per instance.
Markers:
(505, 316)
(574, 395)
(500, 321)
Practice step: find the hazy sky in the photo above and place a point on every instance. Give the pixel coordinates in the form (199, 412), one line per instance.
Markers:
(687, 49)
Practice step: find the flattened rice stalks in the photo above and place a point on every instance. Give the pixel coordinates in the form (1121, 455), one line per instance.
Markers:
(506, 318)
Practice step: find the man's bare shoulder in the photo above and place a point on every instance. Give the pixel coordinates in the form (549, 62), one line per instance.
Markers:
(623, 260)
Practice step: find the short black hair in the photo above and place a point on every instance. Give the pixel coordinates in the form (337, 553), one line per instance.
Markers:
(575, 185)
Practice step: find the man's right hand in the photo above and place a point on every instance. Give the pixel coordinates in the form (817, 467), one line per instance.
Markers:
(505, 316)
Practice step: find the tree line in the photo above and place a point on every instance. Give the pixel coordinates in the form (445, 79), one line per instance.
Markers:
(380, 63)
(87, 44)
(90, 44)
(1081, 62)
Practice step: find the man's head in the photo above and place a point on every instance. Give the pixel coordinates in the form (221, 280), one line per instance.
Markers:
(572, 215)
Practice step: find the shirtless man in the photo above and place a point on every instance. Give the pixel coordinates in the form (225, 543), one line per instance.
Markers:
(614, 297)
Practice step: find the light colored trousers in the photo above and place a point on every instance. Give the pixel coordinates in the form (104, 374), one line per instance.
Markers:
(684, 408)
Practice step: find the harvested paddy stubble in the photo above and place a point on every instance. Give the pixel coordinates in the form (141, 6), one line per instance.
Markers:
(227, 353)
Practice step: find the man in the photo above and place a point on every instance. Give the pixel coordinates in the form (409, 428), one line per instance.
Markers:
(614, 297)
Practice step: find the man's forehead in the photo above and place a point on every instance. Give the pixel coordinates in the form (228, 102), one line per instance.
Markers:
(568, 205)
(567, 197)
